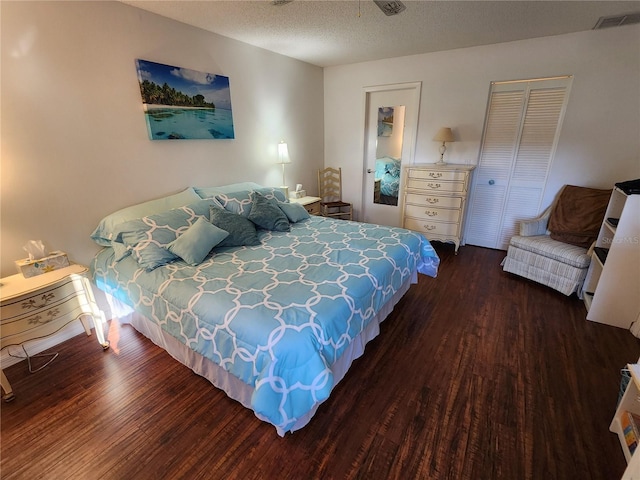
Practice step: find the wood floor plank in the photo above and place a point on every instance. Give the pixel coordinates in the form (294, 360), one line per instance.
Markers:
(477, 374)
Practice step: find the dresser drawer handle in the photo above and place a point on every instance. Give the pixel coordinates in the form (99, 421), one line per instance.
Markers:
(434, 185)
(430, 227)
(435, 174)
(31, 303)
(431, 213)
(432, 200)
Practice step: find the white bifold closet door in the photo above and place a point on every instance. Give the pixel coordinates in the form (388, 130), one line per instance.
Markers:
(521, 130)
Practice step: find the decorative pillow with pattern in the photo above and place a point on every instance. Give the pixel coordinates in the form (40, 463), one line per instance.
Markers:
(241, 230)
(148, 238)
(106, 230)
(240, 202)
(266, 214)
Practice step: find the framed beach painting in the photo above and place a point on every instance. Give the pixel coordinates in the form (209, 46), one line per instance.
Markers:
(385, 121)
(180, 103)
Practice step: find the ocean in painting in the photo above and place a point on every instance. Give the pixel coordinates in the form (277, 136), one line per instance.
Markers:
(178, 123)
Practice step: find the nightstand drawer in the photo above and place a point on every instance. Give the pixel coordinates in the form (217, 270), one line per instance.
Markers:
(40, 324)
(313, 208)
(430, 227)
(445, 175)
(433, 200)
(34, 303)
(431, 213)
(310, 204)
(435, 185)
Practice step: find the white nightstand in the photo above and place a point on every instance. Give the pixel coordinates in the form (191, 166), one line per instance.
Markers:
(36, 307)
(311, 204)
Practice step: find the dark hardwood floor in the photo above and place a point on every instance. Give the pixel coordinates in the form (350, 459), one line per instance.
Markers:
(476, 375)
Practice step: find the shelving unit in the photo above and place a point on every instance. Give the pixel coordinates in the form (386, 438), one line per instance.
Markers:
(630, 402)
(611, 289)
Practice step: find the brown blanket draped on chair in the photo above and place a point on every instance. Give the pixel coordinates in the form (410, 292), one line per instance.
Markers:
(578, 214)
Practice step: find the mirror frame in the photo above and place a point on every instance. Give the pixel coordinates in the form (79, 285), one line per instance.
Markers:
(411, 118)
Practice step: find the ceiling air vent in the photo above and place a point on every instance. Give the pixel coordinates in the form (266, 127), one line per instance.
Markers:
(617, 20)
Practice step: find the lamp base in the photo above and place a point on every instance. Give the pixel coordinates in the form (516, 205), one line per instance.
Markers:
(285, 190)
(443, 148)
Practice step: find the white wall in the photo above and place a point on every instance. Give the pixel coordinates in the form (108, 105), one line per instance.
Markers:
(600, 139)
(74, 140)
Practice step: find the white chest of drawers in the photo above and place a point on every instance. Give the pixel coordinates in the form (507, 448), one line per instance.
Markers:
(36, 307)
(434, 200)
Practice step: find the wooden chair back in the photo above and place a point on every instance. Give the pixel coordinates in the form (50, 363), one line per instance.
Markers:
(330, 184)
(330, 192)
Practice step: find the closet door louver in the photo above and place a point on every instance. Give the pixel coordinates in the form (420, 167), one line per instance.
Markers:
(521, 130)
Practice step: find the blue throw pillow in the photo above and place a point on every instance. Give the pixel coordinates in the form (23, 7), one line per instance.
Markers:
(148, 238)
(240, 202)
(241, 230)
(294, 211)
(195, 244)
(266, 214)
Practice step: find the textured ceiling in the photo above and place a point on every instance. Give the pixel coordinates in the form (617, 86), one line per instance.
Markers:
(327, 33)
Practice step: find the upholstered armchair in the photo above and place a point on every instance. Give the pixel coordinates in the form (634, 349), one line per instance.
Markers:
(553, 248)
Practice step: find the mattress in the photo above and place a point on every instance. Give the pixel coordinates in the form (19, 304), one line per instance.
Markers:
(281, 316)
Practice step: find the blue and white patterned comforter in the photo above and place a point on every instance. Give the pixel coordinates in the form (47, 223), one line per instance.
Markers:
(277, 315)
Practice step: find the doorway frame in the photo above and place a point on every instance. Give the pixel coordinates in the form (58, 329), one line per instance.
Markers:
(410, 135)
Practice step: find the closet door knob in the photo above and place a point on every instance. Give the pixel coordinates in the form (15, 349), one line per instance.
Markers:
(491, 182)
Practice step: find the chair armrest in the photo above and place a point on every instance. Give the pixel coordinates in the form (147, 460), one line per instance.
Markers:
(535, 226)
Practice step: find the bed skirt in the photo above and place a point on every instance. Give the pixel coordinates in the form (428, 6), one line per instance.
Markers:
(231, 385)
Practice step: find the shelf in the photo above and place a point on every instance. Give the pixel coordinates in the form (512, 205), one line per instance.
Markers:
(601, 254)
(634, 368)
(612, 276)
(613, 222)
(628, 403)
(616, 427)
(587, 298)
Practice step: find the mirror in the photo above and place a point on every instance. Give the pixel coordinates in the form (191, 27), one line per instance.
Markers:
(388, 155)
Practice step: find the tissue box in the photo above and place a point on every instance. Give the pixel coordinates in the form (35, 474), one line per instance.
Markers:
(53, 261)
(299, 194)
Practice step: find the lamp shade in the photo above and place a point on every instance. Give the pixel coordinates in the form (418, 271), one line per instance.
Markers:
(444, 135)
(283, 153)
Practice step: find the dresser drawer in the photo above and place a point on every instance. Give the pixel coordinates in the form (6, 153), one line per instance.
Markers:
(433, 200)
(436, 186)
(431, 213)
(430, 227)
(31, 304)
(446, 175)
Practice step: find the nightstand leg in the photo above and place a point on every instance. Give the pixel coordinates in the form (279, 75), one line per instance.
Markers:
(98, 323)
(96, 314)
(6, 387)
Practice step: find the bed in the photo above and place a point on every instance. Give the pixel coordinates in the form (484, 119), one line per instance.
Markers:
(388, 172)
(274, 321)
